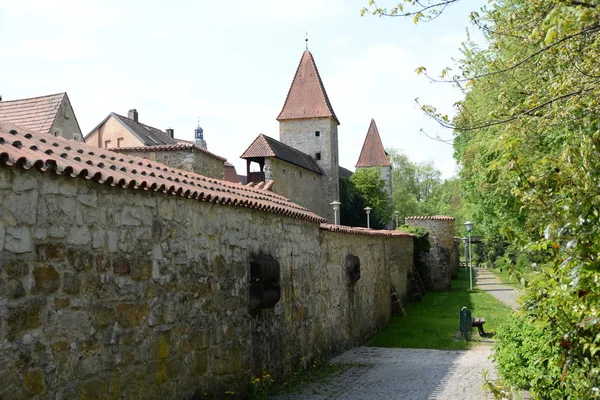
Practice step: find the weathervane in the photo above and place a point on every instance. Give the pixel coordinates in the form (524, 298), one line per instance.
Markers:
(306, 40)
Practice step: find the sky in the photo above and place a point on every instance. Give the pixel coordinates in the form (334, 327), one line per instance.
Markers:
(231, 63)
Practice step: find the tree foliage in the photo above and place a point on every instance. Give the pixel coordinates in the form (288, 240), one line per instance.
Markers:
(371, 187)
(528, 140)
(353, 203)
(418, 189)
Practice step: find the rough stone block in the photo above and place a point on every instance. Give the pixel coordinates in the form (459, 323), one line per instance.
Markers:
(79, 236)
(72, 324)
(80, 259)
(200, 362)
(18, 239)
(67, 188)
(103, 316)
(50, 251)
(16, 268)
(47, 279)
(23, 317)
(121, 267)
(89, 199)
(49, 186)
(71, 283)
(22, 206)
(131, 314)
(113, 241)
(23, 183)
(33, 381)
(15, 288)
(162, 347)
(130, 216)
(2, 235)
(141, 270)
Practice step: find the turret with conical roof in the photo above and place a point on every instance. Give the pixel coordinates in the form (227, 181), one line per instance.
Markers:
(373, 155)
(308, 123)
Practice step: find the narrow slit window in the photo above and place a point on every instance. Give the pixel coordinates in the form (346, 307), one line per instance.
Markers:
(318, 156)
(317, 133)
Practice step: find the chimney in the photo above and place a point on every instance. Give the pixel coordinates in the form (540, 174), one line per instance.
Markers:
(171, 133)
(133, 114)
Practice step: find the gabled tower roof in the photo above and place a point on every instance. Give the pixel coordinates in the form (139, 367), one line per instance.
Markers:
(307, 97)
(373, 154)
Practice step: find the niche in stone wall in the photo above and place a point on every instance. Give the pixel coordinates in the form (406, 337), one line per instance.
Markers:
(265, 290)
(353, 267)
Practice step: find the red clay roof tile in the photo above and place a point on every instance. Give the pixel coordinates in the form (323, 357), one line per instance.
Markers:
(435, 217)
(372, 153)
(307, 97)
(36, 113)
(265, 146)
(20, 147)
(362, 231)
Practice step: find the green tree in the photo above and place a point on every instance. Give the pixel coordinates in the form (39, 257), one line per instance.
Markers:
(528, 140)
(352, 211)
(369, 184)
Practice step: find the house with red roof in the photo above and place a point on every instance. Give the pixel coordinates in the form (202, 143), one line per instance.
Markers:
(51, 114)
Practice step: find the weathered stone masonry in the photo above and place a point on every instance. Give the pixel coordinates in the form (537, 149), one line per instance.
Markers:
(440, 262)
(108, 292)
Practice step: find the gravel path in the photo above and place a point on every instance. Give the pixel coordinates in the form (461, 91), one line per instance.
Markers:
(413, 374)
(488, 282)
(407, 374)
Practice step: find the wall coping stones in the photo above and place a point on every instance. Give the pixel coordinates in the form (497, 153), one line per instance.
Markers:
(432, 217)
(26, 149)
(362, 231)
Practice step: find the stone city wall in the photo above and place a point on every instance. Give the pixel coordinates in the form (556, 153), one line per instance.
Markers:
(192, 160)
(440, 259)
(300, 185)
(108, 292)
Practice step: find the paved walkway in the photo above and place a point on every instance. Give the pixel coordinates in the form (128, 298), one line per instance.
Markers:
(488, 282)
(413, 374)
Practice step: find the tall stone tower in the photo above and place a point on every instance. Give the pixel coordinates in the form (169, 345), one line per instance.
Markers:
(373, 155)
(308, 123)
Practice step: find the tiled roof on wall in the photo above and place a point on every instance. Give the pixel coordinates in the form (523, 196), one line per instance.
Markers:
(307, 97)
(372, 153)
(362, 231)
(27, 149)
(265, 146)
(36, 113)
(436, 217)
(166, 147)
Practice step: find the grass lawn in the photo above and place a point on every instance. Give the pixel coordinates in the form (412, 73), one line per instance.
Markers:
(433, 322)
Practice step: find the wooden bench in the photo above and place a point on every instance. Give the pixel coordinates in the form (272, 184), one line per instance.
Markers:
(478, 322)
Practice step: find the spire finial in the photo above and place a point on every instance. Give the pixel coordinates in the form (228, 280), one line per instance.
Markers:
(306, 40)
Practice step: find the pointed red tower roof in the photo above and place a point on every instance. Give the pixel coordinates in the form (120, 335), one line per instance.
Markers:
(307, 97)
(372, 153)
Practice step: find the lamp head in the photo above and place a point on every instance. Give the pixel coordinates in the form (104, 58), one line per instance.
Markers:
(469, 226)
(336, 205)
(368, 210)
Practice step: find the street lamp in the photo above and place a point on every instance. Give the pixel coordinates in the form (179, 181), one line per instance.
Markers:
(469, 226)
(368, 210)
(336, 207)
(466, 245)
(397, 215)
